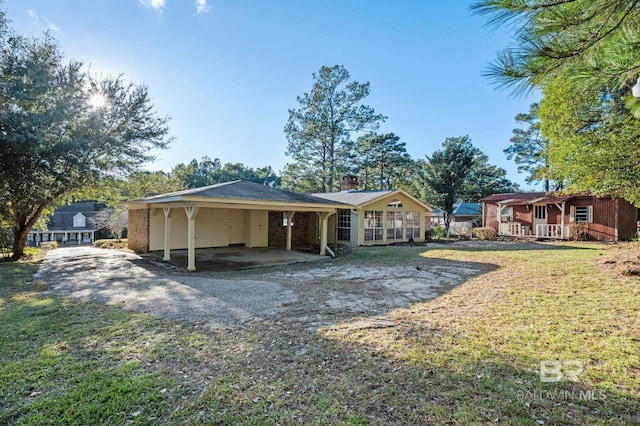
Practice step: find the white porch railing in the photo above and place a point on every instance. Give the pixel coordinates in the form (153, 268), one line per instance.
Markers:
(511, 228)
(516, 229)
(550, 231)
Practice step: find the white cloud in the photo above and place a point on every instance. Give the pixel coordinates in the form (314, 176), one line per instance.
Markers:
(155, 4)
(52, 26)
(43, 23)
(202, 6)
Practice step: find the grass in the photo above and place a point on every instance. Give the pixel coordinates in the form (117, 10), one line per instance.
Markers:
(471, 356)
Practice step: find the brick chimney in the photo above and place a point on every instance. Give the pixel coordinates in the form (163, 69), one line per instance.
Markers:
(349, 183)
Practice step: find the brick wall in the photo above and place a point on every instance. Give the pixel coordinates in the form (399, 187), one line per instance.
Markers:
(301, 231)
(139, 230)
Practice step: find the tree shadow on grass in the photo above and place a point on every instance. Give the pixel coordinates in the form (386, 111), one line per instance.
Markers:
(66, 361)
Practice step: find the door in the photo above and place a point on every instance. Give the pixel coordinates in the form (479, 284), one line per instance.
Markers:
(540, 218)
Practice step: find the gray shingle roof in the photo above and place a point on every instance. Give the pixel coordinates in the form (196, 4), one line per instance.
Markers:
(62, 218)
(241, 190)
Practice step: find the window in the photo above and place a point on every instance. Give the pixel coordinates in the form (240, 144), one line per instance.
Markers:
(344, 225)
(540, 212)
(506, 215)
(373, 225)
(79, 221)
(395, 228)
(413, 225)
(395, 203)
(582, 214)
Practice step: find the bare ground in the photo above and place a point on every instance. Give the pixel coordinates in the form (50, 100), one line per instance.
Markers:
(309, 295)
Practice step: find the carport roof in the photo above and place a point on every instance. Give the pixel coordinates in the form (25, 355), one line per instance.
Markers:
(237, 190)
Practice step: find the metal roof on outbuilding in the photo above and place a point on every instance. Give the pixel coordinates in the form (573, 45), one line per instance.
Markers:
(523, 198)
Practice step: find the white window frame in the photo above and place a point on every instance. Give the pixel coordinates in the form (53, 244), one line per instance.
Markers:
(506, 215)
(344, 224)
(540, 211)
(413, 225)
(585, 215)
(373, 225)
(395, 225)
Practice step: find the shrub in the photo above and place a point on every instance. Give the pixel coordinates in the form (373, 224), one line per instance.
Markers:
(49, 245)
(463, 234)
(439, 232)
(486, 233)
(31, 253)
(111, 244)
(578, 232)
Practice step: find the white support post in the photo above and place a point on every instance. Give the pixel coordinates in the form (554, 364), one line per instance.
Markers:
(191, 212)
(562, 219)
(289, 216)
(499, 215)
(324, 220)
(167, 233)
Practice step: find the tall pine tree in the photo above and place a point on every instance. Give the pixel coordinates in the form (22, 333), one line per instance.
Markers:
(319, 130)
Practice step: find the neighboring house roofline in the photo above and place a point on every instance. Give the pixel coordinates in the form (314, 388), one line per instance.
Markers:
(524, 198)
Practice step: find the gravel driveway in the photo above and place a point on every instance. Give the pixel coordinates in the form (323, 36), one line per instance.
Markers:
(305, 295)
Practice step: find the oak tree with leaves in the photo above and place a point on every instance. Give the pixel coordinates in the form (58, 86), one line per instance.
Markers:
(595, 145)
(56, 138)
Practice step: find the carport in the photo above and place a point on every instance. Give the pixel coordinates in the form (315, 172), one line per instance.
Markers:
(222, 215)
(234, 258)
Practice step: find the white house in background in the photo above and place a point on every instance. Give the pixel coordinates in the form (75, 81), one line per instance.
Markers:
(70, 224)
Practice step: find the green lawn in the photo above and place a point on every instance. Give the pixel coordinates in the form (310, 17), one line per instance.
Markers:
(471, 356)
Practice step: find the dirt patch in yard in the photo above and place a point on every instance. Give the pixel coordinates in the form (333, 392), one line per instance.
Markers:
(346, 288)
(623, 259)
(308, 295)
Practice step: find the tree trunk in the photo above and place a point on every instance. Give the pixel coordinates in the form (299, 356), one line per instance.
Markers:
(21, 228)
(447, 222)
(19, 241)
(331, 168)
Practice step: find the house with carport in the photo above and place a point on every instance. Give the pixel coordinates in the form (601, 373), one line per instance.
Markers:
(253, 215)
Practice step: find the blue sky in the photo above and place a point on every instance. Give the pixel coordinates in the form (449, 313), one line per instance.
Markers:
(227, 71)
